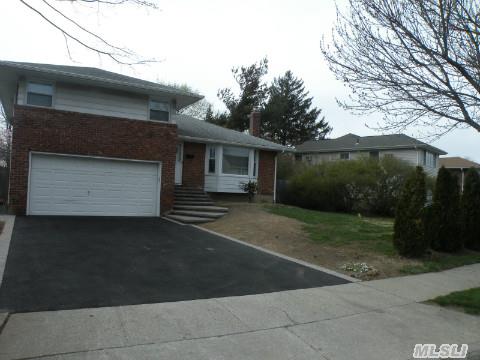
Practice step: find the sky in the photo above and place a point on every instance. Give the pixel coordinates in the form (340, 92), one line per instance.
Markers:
(198, 42)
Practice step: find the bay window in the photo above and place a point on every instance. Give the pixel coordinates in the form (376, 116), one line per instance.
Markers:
(211, 160)
(235, 160)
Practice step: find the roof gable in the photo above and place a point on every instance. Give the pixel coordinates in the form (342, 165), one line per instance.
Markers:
(98, 77)
(190, 128)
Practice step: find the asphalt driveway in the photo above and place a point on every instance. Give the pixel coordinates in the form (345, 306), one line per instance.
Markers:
(76, 262)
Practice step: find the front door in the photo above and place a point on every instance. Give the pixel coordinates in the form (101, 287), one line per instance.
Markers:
(179, 164)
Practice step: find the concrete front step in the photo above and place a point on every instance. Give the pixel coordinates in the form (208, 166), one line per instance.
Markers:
(192, 190)
(194, 202)
(193, 199)
(189, 219)
(191, 196)
(201, 214)
(201, 208)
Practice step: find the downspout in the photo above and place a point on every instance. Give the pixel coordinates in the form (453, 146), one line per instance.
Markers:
(275, 181)
(463, 177)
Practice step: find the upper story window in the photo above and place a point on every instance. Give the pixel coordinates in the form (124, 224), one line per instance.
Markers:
(39, 94)
(345, 156)
(235, 160)
(159, 111)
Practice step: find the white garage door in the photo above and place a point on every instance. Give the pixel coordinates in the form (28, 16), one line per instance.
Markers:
(68, 185)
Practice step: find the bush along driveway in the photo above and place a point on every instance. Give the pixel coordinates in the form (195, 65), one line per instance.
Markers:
(355, 245)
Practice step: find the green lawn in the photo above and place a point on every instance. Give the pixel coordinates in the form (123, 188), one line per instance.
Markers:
(468, 300)
(443, 261)
(337, 229)
(367, 234)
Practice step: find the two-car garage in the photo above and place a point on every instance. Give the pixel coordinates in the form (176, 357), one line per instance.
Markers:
(91, 186)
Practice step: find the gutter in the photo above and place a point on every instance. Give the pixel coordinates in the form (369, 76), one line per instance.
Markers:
(103, 80)
(439, 151)
(223, 142)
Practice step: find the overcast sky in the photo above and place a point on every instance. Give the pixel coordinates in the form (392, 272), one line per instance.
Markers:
(198, 42)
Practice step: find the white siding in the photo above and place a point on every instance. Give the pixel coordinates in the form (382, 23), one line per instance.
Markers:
(412, 156)
(409, 155)
(100, 102)
(91, 100)
(225, 183)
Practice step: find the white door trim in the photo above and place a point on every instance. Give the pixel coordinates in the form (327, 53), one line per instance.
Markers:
(159, 187)
(179, 168)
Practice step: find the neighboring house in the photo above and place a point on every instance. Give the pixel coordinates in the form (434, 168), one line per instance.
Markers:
(352, 146)
(91, 142)
(458, 166)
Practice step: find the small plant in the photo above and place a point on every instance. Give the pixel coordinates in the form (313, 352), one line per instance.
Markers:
(250, 188)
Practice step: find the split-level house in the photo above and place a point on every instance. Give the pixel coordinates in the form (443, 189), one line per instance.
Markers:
(91, 142)
(352, 146)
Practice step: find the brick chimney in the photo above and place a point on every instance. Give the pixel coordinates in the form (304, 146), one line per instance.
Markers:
(255, 119)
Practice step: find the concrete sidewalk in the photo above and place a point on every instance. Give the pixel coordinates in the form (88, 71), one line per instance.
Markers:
(379, 319)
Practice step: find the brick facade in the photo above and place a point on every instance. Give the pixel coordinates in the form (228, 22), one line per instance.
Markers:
(55, 131)
(266, 172)
(193, 174)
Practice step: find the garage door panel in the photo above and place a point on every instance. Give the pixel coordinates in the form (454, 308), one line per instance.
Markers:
(62, 185)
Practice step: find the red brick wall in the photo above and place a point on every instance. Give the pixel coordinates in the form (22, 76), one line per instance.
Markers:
(266, 172)
(47, 130)
(193, 174)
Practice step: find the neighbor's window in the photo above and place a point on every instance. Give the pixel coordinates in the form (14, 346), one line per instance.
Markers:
(374, 154)
(159, 110)
(430, 159)
(211, 160)
(235, 160)
(39, 94)
(345, 156)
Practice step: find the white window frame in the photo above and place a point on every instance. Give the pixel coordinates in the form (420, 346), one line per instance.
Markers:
(207, 168)
(249, 166)
(256, 160)
(150, 100)
(40, 82)
(347, 153)
(430, 159)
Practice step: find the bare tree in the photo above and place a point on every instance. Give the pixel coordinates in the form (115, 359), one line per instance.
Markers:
(197, 110)
(5, 148)
(74, 32)
(416, 61)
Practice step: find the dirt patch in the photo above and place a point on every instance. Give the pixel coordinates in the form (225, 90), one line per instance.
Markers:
(253, 224)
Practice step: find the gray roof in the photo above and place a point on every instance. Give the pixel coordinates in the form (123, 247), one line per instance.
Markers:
(190, 128)
(352, 142)
(101, 77)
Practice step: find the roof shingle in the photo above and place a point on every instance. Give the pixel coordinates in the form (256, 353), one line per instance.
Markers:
(456, 162)
(192, 128)
(352, 142)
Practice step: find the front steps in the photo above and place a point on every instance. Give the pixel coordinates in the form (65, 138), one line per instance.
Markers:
(194, 206)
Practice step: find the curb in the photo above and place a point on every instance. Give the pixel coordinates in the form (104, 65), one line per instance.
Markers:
(5, 238)
(300, 262)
